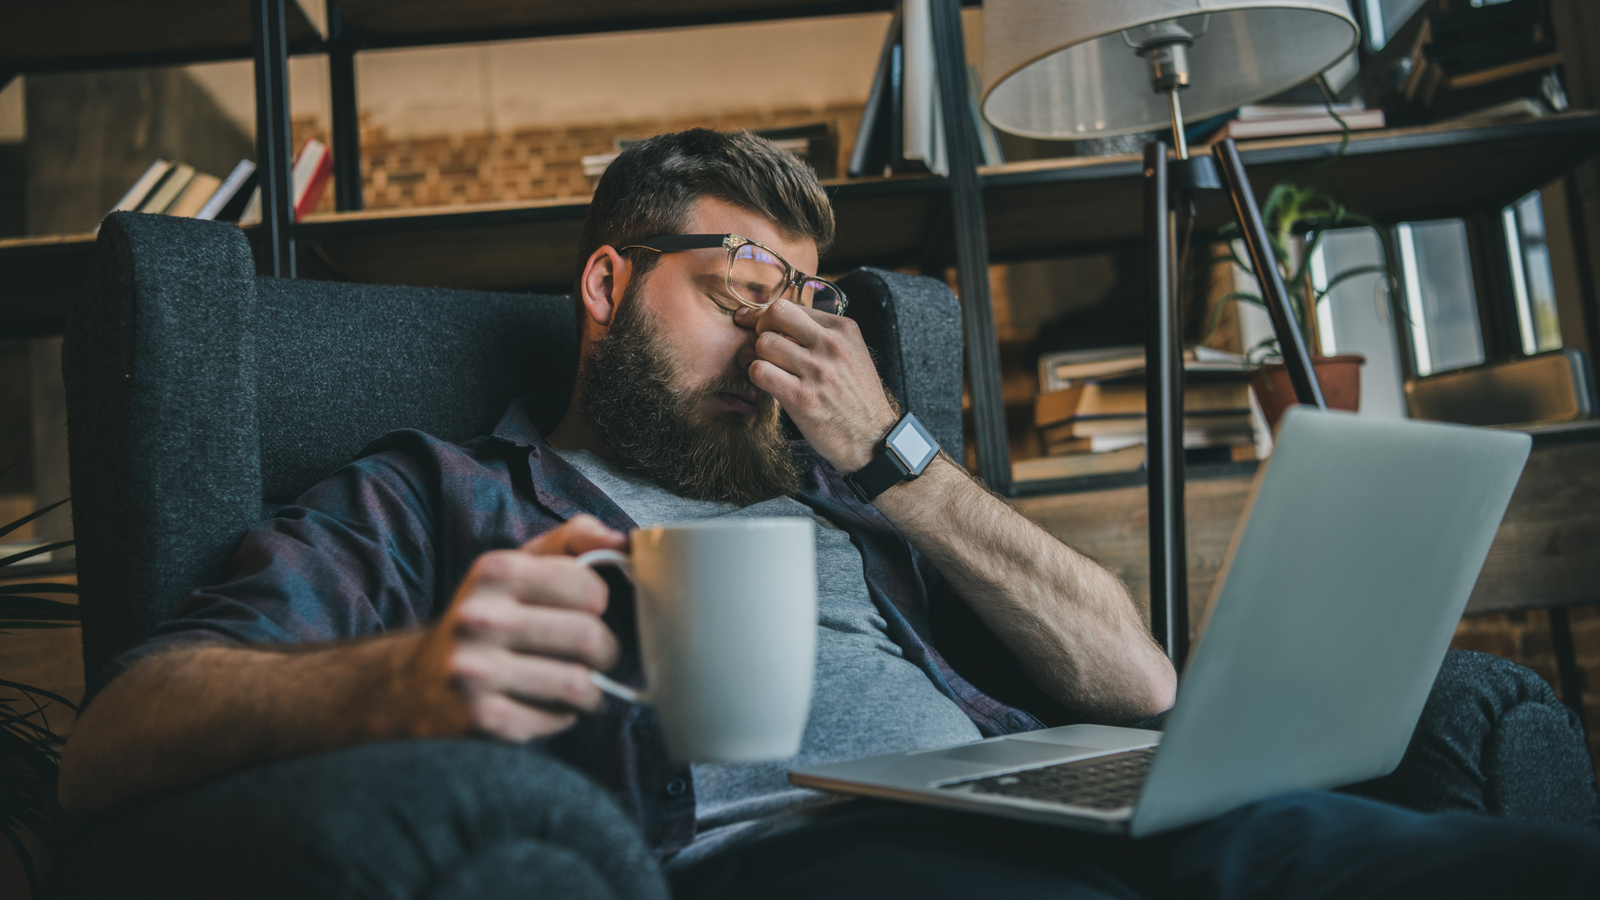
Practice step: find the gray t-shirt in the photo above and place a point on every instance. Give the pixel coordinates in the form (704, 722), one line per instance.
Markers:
(868, 700)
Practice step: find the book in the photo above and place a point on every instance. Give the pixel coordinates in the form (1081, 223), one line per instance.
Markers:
(1254, 111)
(312, 169)
(168, 190)
(142, 188)
(1246, 129)
(988, 141)
(1061, 368)
(193, 197)
(871, 154)
(231, 195)
(923, 114)
(1126, 397)
(1509, 111)
(1465, 58)
(1199, 430)
(1504, 70)
(1100, 443)
(251, 214)
(1126, 459)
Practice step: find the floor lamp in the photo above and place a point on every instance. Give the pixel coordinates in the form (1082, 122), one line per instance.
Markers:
(1074, 69)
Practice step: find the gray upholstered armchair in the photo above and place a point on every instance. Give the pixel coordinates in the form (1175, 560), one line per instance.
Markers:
(201, 398)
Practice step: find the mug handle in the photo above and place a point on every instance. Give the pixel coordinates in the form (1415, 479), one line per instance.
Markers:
(616, 689)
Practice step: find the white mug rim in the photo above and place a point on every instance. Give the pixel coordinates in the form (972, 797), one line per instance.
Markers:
(726, 522)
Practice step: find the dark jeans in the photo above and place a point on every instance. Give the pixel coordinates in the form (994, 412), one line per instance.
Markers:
(446, 819)
(1300, 846)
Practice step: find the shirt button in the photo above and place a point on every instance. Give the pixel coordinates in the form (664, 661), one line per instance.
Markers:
(676, 787)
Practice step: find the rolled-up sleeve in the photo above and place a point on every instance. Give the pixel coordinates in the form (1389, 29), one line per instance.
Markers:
(354, 556)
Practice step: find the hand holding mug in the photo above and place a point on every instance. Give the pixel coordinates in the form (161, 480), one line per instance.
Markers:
(513, 655)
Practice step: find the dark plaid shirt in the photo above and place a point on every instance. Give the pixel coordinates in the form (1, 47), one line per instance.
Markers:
(383, 543)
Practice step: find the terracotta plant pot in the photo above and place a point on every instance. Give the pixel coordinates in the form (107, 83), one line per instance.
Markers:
(1339, 376)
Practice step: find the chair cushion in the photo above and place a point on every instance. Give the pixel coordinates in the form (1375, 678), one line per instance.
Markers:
(342, 364)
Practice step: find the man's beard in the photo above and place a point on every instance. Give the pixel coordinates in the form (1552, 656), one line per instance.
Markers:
(648, 421)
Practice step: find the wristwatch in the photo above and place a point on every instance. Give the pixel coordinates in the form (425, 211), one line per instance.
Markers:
(907, 451)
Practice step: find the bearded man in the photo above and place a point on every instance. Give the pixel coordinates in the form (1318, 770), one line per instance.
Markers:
(367, 700)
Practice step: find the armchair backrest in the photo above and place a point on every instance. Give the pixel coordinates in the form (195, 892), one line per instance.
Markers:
(201, 397)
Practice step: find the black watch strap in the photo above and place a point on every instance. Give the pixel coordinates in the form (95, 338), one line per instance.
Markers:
(884, 472)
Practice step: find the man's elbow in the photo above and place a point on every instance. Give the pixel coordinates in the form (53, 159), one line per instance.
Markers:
(1152, 690)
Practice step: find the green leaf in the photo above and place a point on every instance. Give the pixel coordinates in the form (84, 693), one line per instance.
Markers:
(7, 529)
(14, 607)
(47, 548)
(39, 587)
(1216, 310)
(26, 859)
(1348, 274)
(40, 692)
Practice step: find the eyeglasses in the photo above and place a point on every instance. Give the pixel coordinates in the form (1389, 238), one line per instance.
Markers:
(757, 275)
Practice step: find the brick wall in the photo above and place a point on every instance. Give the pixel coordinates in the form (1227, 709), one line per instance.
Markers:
(1525, 638)
(530, 164)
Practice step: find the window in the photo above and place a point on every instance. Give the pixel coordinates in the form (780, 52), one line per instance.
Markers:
(1441, 298)
(1531, 280)
(1385, 17)
(1355, 316)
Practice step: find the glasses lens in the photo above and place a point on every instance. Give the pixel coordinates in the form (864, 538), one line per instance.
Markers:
(821, 296)
(756, 275)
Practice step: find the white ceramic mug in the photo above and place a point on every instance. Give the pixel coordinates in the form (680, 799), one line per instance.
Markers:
(727, 612)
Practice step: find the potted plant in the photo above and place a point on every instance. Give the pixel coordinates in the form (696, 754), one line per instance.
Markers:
(30, 751)
(1298, 216)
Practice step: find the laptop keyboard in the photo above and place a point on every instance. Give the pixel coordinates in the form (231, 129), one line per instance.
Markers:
(1103, 782)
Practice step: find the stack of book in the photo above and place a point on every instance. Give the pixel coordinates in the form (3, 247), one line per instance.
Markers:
(178, 189)
(902, 125)
(1091, 412)
(1464, 60)
(1266, 120)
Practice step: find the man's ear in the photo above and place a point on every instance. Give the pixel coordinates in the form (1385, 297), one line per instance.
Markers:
(605, 279)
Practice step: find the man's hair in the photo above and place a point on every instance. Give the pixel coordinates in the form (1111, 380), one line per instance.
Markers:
(649, 189)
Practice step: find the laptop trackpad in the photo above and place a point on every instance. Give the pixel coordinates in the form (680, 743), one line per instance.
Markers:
(1009, 753)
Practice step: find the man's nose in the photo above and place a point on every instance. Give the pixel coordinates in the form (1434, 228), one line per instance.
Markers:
(745, 320)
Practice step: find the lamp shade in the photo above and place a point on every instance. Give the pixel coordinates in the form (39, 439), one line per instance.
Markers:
(1065, 69)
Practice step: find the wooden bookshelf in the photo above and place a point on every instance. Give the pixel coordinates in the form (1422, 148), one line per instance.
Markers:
(1393, 175)
(1034, 210)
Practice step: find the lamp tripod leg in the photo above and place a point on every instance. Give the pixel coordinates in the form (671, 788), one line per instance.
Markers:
(1291, 344)
(1169, 579)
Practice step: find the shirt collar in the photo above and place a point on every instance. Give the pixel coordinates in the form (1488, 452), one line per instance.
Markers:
(516, 427)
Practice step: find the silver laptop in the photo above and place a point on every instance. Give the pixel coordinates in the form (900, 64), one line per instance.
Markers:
(1342, 587)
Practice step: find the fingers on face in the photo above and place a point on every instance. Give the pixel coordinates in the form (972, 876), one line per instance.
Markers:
(805, 327)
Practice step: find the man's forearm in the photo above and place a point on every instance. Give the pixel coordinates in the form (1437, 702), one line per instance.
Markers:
(192, 714)
(1070, 622)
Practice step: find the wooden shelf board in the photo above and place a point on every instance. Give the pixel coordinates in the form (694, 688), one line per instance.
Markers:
(56, 37)
(390, 23)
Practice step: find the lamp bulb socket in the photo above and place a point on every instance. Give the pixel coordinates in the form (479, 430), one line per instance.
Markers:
(1169, 65)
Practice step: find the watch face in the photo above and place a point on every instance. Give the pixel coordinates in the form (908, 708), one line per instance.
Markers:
(914, 445)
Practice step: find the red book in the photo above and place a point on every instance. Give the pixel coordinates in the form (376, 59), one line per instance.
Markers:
(312, 169)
